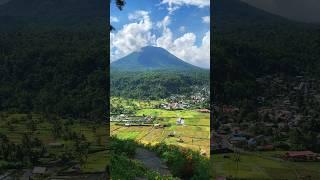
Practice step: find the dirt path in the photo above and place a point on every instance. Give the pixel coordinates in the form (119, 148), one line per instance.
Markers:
(152, 161)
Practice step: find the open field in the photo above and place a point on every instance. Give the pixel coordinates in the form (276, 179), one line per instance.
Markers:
(263, 165)
(194, 134)
(14, 126)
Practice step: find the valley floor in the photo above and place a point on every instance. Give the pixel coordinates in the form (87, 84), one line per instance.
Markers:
(194, 134)
(59, 143)
(262, 165)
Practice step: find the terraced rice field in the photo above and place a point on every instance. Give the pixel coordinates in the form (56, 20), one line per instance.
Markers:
(195, 134)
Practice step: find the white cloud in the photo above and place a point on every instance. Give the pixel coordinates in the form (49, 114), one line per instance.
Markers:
(164, 23)
(176, 4)
(206, 19)
(138, 15)
(185, 47)
(182, 29)
(138, 34)
(132, 36)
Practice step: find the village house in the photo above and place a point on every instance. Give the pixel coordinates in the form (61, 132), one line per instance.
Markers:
(301, 156)
(157, 126)
(175, 105)
(180, 121)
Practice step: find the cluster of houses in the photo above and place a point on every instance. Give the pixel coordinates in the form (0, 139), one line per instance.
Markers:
(175, 105)
(130, 121)
(278, 112)
(198, 98)
(141, 120)
(176, 102)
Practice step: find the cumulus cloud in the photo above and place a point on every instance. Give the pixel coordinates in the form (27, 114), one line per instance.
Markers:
(138, 34)
(206, 19)
(132, 36)
(138, 15)
(164, 23)
(114, 19)
(185, 47)
(176, 4)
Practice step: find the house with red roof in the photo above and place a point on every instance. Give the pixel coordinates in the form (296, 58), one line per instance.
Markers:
(301, 156)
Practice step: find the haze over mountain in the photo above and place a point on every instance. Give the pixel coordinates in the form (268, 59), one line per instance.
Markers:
(300, 10)
(237, 13)
(151, 58)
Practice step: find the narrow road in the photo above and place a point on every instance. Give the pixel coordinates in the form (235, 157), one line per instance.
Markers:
(152, 161)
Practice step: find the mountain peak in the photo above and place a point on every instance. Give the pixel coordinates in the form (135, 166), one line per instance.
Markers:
(151, 58)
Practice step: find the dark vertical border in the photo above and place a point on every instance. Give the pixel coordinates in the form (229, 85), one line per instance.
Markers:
(212, 90)
(107, 69)
(107, 86)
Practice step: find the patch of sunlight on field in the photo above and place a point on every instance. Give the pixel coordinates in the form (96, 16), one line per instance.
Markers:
(127, 135)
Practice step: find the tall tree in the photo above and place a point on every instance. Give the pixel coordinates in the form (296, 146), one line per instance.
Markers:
(120, 4)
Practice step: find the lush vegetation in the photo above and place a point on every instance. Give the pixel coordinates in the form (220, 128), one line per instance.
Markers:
(264, 165)
(154, 85)
(58, 71)
(123, 164)
(32, 139)
(183, 163)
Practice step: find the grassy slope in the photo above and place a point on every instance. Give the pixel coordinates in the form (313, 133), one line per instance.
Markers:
(263, 165)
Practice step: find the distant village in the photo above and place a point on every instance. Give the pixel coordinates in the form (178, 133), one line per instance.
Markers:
(128, 121)
(179, 102)
(281, 109)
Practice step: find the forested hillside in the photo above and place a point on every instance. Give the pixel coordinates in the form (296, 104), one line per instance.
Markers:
(57, 71)
(242, 54)
(156, 84)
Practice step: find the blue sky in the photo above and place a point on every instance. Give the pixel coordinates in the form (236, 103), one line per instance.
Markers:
(180, 26)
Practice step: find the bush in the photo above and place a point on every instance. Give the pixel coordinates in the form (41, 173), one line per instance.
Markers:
(125, 147)
(183, 163)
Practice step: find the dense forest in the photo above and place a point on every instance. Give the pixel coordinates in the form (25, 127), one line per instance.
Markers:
(153, 85)
(243, 54)
(58, 71)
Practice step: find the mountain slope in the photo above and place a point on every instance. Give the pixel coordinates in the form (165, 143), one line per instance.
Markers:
(151, 58)
(238, 14)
